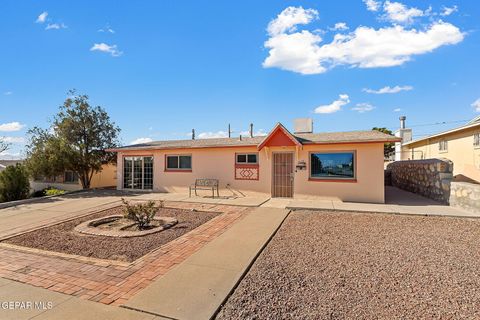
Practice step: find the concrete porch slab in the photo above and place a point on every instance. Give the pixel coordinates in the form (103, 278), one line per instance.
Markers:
(196, 288)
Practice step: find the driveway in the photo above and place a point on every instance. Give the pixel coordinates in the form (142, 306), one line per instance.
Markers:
(43, 212)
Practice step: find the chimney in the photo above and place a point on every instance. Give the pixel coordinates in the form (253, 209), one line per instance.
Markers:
(193, 134)
(406, 136)
(251, 130)
(229, 131)
(303, 125)
(402, 122)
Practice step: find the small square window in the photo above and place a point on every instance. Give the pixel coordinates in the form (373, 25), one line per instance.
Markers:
(241, 158)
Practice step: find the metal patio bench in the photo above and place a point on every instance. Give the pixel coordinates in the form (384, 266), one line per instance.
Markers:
(205, 184)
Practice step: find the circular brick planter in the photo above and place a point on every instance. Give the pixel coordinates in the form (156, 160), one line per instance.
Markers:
(90, 227)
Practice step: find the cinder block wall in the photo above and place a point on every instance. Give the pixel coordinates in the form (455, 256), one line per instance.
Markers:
(430, 178)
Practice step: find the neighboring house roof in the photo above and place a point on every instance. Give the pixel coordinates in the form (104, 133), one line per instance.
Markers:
(475, 122)
(302, 139)
(5, 163)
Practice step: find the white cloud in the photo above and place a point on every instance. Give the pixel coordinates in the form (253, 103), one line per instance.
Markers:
(42, 17)
(210, 135)
(103, 47)
(11, 126)
(399, 13)
(141, 140)
(13, 139)
(448, 10)
(8, 93)
(6, 155)
(340, 26)
(106, 29)
(397, 110)
(476, 105)
(365, 47)
(372, 5)
(335, 106)
(388, 89)
(55, 26)
(363, 107)
(289, 18)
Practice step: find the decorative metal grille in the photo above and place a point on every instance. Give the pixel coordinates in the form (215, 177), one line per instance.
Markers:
(282, 182)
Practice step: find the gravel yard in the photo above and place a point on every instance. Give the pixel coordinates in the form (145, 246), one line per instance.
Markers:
(339, 265)
(62, 237)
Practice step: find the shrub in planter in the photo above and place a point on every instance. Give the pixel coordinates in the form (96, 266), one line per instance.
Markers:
(14, 184)
(141, 213)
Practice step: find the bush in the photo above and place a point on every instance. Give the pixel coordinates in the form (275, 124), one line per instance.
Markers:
(142, 213)
(53, 191)
(49, 191)
(14, 184)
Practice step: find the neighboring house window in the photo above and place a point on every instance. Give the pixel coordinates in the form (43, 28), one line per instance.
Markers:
(178, 162)
(70, 177)
(443, 145)
(247, 158)
(332, 165)
(476, 139)
(138, 172)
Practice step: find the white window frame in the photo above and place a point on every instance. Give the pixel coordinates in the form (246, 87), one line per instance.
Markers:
(443, 145)
(246, 154)
(476, 140)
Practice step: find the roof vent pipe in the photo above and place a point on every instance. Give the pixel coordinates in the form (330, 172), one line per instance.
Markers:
(240, 137)
(229, 131)
(193, 134)
(251, 130)
(402, 122)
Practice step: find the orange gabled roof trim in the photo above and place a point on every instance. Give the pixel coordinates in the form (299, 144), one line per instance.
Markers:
(275, 130)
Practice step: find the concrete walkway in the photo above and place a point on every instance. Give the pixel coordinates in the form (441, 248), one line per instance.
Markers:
(396, 201)
(196, 288)
(62, 306)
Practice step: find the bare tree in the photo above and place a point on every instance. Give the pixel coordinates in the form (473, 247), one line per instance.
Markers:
(4, 145)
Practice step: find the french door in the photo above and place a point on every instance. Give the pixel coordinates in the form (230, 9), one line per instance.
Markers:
(138, 172)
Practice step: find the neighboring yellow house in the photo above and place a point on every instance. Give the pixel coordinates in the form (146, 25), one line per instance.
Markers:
(69, 180)
(460, 145)
(341, 165)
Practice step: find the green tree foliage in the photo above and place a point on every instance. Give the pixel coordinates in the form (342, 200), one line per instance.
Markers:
(76, 141)
(389, 148)
(14, 184)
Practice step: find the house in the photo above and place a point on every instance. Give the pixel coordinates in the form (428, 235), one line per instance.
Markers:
(461, 145)
(341, 165)
(5, 163)
(69, 180)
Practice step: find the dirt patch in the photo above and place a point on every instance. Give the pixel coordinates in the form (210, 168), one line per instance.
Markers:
(63, 238)
(325, 265)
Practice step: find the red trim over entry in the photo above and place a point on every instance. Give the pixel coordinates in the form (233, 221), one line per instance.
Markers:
(279, 137)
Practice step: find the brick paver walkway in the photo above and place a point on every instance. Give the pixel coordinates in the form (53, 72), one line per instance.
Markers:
(106, 281)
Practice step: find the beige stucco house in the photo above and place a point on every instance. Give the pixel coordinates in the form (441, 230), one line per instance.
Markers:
(69, 180)
(461, 145)
(342, 165)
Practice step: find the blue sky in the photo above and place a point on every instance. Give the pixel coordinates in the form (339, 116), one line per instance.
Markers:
(161, 68)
